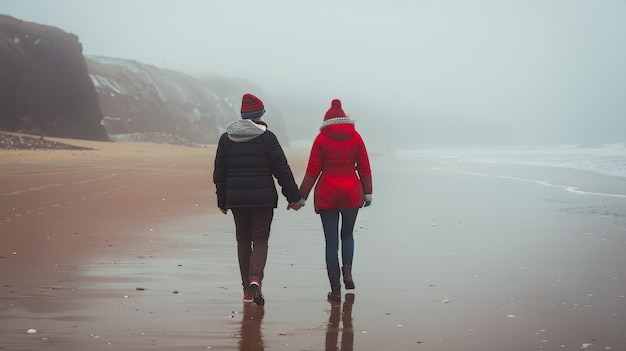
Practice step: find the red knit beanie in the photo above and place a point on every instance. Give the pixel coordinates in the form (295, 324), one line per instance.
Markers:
(335, 110)
(251, 107)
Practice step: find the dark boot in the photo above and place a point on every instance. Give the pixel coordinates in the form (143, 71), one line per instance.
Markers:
(335, 294)
(347, 277)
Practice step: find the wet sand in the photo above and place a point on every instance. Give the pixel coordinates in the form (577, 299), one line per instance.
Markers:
(121, 248)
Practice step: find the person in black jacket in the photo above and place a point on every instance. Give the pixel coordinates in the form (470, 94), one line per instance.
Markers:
(247, 159)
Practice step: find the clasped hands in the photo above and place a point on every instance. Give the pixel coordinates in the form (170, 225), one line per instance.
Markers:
(294, 205)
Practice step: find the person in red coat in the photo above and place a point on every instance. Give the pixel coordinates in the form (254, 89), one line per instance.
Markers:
(340, 165)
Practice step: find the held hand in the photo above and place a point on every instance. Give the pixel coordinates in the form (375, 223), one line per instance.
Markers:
(295, 205)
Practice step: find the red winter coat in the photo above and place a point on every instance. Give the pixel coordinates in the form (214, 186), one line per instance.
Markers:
(339, 158)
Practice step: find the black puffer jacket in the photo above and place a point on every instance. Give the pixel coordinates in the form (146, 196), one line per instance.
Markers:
(248, 158)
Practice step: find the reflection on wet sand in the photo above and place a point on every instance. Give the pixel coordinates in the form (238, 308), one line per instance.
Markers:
(344, 315)
(251, 336)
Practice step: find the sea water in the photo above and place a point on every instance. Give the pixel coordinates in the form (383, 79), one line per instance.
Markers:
(606, 161)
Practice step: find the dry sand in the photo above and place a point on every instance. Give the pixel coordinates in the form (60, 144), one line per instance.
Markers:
(121, 248)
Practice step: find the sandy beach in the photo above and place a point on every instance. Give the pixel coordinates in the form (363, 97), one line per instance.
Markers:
(121, 248)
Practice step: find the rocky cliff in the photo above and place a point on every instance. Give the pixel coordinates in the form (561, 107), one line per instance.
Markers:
(139, 98)
(48, 87)
(44, 83)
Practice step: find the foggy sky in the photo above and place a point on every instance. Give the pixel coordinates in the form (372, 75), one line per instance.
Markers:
(439, 72)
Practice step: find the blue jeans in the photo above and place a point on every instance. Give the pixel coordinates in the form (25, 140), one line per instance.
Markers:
(330, 224)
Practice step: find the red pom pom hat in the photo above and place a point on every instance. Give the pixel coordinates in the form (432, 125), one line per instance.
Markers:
(335, 110)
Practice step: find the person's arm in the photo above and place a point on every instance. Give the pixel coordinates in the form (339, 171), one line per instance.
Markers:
(365, 172)
(313, 169)
(220, 174)
(282, 171)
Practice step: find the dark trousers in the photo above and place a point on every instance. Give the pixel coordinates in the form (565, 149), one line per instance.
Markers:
(330, 223)
(252, 228)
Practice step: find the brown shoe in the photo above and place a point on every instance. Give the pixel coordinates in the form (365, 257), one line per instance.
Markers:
(335, 294)
(347, 277)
